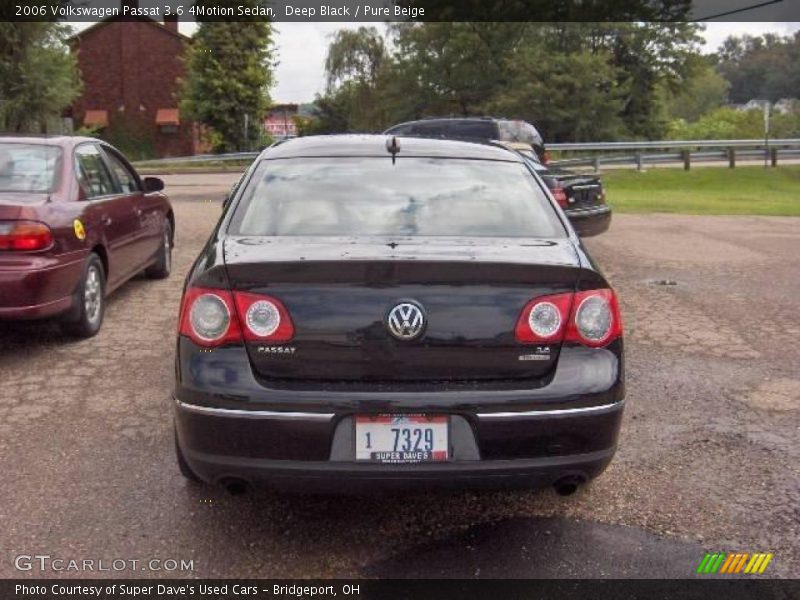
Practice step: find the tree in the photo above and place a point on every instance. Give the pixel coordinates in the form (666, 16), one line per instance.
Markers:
(704, 90)
(574, 81)
(229, 73)
(357, 55)
(569, 96)
(764, 67)
(38, 75)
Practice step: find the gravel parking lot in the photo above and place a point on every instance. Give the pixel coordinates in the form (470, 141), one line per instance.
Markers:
(709, 455)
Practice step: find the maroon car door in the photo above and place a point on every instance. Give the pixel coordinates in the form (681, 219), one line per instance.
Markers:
(148, 210)
(109, 210)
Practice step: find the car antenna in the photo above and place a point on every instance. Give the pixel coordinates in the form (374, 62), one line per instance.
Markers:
(393, 146)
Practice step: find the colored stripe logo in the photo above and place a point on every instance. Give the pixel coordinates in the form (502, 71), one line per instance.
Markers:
(734, 562)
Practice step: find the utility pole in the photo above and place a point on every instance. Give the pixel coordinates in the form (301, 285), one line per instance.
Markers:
(766, 133)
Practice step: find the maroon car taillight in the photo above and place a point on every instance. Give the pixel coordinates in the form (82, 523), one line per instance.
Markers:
(560, 194)
(590, 318)
(212, 317)
(25, 236)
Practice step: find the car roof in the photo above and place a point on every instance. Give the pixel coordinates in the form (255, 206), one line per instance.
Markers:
(63, 141)
(376, 145)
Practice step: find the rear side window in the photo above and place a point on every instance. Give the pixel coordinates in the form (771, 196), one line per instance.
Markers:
(482, 130)
(429, 129)
(29, 167)
(401, 129)
(126, 178)
(93, 176)
(412, 197)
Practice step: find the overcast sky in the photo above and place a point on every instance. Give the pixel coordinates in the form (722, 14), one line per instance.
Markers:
(302, 47)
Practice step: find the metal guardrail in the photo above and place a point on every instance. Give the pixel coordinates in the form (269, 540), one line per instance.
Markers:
(664, 144)
(646, 153)
(198, 158)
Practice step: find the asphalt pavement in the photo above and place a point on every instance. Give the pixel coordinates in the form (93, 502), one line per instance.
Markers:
(708, 459)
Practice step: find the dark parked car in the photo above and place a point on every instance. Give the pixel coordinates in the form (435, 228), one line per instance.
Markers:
(475, 128)
(580, 195)
(76, 222)
(376, 311)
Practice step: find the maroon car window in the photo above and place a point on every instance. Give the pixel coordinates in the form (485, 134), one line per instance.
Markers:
(125, 178)
(93, 176)
(28, 167)
(408, 197)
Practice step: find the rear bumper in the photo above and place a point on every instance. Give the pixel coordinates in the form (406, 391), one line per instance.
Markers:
(339, 473)
(41, 289)
(590, 221)
(230, 426)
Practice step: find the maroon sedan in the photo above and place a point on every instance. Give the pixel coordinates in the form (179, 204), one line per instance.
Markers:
(76, 222)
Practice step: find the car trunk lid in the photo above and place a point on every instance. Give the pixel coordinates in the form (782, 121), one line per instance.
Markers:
(339, 292)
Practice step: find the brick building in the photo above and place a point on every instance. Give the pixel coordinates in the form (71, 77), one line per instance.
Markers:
(279, 123)
(130, 71)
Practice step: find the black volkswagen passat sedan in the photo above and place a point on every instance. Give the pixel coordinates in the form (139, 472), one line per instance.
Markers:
(375, 311)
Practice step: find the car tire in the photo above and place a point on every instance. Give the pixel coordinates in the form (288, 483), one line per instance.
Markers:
(183, 466)
(163, 265)
(90, 301)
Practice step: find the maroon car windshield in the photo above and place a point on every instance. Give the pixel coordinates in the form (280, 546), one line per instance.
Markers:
(412, 196)
(28, 167)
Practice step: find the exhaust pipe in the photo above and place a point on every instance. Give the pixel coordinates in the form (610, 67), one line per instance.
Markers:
(235, 486)
(566, 486)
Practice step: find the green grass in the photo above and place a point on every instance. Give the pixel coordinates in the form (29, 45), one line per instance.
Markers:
(706, 190)
(207, 166)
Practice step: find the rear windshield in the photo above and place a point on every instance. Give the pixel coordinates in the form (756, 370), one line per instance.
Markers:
(28, 167)
(413, 197)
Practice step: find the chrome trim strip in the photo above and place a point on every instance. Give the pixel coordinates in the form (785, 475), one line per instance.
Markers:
(554, 413)
(255, 414)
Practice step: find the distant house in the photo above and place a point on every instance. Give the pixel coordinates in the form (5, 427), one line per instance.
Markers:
(782, 106)
(278, 121)
(130, 72)
(786, 105)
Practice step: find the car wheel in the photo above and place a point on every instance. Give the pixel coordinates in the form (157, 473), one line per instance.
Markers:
(163, 266)
(90, 301)
(183, 466)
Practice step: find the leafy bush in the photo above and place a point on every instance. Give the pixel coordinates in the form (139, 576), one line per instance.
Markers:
(731, 124)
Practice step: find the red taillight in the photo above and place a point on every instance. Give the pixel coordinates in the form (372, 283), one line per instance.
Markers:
(212, 317)
(25, 236)
(532, 325)
(589, 317)
(595, 319)
(560, 194)
(264, 318)
(545, 157)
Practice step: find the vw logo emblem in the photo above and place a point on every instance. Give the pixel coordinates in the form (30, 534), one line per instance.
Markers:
(406, 321)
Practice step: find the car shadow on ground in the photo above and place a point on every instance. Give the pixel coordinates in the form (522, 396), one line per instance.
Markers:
(460, 534)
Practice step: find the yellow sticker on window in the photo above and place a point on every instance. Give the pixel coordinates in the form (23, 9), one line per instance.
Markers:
(80, 232)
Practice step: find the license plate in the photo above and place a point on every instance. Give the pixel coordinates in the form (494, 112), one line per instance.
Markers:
(402, 439)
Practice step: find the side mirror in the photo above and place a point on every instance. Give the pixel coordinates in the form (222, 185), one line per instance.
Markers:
(152, 184)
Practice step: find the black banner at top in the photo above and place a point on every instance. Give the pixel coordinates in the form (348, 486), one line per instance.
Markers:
(404, 10)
